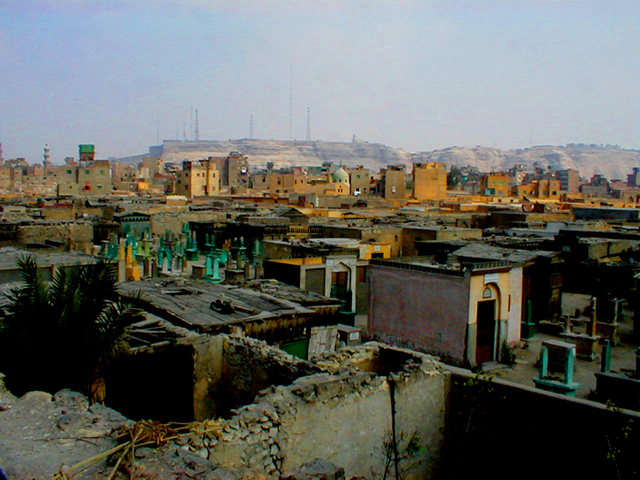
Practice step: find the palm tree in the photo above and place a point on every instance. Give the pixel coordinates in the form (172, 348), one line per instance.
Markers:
(62, 334)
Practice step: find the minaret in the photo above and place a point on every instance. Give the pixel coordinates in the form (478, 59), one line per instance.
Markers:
(47, 156)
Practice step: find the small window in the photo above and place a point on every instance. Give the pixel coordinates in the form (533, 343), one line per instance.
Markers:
(487, 293)
(86, 172)
(68, 172)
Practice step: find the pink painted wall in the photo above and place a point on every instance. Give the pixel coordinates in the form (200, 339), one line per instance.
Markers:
(419, 310)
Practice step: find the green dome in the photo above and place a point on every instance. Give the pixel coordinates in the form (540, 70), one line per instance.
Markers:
(340, 176)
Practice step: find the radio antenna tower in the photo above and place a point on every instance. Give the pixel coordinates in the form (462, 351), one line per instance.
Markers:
(291, 105)
(197, 132)
(308, 124)
(251, 126)
(191, 125)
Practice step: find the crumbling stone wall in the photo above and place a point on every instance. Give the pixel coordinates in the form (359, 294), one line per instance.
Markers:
(76, 235)
(342, 415)
(250, 366)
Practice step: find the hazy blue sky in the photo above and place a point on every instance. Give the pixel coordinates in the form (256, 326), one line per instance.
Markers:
(418, 75)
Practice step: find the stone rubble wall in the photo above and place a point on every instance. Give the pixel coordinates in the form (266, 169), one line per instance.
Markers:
(250, 366)
(78, 235)
(341, 415)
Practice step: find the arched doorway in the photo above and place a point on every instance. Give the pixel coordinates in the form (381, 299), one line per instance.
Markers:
(486, 325)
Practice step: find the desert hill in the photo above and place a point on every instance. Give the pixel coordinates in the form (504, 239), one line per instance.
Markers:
(611, 161)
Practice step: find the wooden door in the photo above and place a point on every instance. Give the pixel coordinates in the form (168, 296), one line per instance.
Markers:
(486, 331)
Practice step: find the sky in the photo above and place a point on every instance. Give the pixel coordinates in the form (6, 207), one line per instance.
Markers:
(418, 75)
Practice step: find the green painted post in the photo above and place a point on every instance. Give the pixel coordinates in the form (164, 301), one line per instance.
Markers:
(569, 366)
(544, 362)
(605, 364)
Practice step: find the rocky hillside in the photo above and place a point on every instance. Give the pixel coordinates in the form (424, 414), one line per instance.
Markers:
(284, 154)
(613, 163)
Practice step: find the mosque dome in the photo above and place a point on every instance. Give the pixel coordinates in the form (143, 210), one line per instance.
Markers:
(340, 176)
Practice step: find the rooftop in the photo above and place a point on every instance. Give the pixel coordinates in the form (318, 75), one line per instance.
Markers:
(488, 252)
(426, 264)
(209, 307)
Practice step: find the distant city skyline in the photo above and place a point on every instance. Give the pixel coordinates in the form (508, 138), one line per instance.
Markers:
(416, 75)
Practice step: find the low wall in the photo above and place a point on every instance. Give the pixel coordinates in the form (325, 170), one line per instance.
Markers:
(343, 416)
(501, 428)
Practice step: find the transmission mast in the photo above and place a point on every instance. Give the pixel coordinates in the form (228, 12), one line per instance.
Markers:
(291, 105)
(308, 124)
(197, 131)
(251, 127)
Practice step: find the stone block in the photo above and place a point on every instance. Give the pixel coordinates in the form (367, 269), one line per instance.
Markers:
(317, 469)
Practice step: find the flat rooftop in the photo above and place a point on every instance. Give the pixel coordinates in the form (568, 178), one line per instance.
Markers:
(201, 305)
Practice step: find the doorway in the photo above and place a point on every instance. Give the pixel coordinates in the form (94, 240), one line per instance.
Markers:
(486, 331)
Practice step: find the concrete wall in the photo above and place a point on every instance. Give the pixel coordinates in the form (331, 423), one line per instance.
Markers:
(173, 221)
(423, 311)
(410, 235)
(505, 430)
(388, 235)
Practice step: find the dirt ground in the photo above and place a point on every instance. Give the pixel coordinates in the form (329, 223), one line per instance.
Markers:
(623, 357)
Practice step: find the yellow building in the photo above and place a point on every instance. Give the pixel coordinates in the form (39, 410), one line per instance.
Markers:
(495, 185)
(540, 189)
(429, 181)
(198, 179)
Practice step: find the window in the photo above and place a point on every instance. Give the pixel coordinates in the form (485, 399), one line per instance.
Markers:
(487, 293)
(86, 172)
(68, 172)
